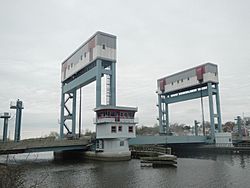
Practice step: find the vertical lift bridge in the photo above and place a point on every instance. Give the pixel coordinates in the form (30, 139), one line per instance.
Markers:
(90, 62)
(197, 82)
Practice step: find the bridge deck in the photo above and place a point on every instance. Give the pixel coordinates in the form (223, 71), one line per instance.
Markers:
(167, 140)
(42, 145)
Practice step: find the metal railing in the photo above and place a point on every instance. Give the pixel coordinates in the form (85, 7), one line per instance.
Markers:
(113, 120)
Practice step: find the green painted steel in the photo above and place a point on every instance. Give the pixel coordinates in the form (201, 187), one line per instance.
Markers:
(205, 90)
(164, 139)
(5, 129)
(218, 107)
(186, 97)
(98, 69)
(19, 108)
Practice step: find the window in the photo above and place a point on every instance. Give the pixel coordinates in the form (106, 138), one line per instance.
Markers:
(177, 81)
(81, 57)
(120, 128)
(85, 54)
(172, 83)
(68, 66)
(181, 80)
(103, 46)
(121, 143)
(113, 129)
(71, 65)
(121, 114)
(130, 129)
(188, 78)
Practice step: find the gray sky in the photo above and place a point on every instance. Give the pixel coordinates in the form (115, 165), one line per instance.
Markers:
(155, 39)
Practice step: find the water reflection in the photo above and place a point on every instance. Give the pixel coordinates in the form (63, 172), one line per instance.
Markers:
(203, 170)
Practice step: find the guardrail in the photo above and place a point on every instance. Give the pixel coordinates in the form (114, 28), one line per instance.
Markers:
(157, 149)
(113, 120)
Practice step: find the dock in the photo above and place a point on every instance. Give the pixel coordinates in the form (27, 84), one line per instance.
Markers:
(154, 156)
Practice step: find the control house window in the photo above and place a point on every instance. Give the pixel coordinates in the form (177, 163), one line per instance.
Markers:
(121, 143)
(120, 128)
(103, 47)
(130, 129)
(113, 129)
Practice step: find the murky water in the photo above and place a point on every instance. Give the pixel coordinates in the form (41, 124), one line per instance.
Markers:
(211, 171)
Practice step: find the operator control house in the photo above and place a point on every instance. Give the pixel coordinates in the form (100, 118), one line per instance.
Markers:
(115, 122)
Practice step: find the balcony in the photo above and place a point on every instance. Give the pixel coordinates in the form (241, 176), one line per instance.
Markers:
(116, 120)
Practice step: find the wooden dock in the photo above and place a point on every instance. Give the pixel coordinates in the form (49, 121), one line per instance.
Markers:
(154, 156)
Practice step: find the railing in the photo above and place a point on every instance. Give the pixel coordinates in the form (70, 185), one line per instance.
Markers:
(242, 145)
(152, 148)
(113, 120)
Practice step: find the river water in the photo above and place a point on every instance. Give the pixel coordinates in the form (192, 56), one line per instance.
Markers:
(201, 171)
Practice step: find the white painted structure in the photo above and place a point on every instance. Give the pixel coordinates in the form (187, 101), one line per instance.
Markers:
(114, 126)
(100, 45)
(189, 78)
(223, 139)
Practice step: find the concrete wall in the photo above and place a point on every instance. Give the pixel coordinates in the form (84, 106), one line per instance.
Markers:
(114, 145)
(223, 139)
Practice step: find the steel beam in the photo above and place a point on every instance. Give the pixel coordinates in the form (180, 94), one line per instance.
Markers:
(80, 81)
(185, 97)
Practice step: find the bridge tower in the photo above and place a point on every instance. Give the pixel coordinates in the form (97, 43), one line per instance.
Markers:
(94, 60)
(18, 105)
(198, 82)
(6, 117)
(90, 62)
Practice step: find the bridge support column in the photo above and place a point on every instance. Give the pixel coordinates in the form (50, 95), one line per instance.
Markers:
(218, 107)
(196, 128)
(6, 117)
(211, 109)
(160, 114)
(62, 119)
(19, 107)
(239, 126)
(167, 130)
(113, 84)
(98, 83)
(163, 114)
(74, 114)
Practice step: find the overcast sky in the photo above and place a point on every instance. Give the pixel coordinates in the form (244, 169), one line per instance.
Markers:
(155, 39)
